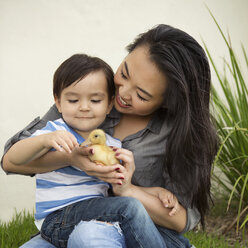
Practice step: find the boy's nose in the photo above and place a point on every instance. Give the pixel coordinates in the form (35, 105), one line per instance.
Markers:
(84, 106)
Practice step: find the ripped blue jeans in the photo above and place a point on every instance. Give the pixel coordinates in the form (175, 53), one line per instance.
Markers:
(94, 234)
(87, 234)
(99, 235)
(136, 225)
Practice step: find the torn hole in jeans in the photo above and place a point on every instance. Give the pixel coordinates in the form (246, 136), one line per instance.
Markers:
(104, 223)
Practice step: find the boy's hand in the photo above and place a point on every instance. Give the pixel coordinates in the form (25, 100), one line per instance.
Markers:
(60, 141)
(169, 201)
(79, 158)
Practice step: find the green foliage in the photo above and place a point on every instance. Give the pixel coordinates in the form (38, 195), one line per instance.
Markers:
(204, 240)
(231, 113)
(16, 232)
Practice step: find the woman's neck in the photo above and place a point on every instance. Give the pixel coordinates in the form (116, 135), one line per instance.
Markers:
(130, 124)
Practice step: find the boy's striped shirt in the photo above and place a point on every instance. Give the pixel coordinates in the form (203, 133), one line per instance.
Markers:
(67, 185)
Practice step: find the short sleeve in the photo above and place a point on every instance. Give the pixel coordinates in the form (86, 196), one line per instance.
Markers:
(193, 218)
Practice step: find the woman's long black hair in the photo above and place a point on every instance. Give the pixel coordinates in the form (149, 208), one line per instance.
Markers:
(192, 143)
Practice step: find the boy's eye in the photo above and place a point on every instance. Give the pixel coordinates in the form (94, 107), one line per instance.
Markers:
(95, 101)
(72, 101)
(141, 98)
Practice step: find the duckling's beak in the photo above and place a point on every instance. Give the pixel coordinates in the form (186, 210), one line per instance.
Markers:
(86, 143)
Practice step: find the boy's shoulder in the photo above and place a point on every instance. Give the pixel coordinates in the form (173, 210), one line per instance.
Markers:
(51, 126)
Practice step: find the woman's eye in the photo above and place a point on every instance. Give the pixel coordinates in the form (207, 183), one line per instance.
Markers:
(72, 101)
(141, 98)
(123, 75)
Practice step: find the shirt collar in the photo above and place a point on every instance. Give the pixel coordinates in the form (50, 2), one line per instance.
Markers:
(156, 122)
(154, 125)
(114, 114)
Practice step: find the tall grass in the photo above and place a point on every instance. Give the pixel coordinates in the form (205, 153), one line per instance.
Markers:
(231, 113)
(17, 231)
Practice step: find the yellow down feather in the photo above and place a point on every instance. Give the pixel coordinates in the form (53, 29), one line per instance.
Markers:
(103, 154)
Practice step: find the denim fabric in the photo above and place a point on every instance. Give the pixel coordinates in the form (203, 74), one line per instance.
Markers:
(78, 239)
(137, 226)
(174, 239)
(36, 242)
(99, 235)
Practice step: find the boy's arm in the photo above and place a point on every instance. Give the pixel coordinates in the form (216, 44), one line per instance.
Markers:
(32, 148)
(37, 124)
(27, 150)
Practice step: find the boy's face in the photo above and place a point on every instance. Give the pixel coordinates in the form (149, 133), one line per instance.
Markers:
(85, 104)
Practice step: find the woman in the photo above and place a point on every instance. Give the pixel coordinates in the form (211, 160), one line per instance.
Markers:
(161, 114)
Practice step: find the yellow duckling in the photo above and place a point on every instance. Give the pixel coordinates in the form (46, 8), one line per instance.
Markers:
(103, 155)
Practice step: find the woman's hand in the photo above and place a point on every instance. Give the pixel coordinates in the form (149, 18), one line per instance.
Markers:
(125, 172)
(169, 200)
(79, 158)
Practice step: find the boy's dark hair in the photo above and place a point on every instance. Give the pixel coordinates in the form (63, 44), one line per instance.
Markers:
(77, 67)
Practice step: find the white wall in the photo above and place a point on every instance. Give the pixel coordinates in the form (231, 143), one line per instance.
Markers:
(36, 36)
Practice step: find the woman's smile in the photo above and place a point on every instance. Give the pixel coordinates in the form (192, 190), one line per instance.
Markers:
(121, 102)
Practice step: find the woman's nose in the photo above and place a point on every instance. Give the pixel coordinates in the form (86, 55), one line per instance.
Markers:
(125, 92)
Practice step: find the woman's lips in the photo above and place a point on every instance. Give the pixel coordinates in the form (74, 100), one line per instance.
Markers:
(121, 102)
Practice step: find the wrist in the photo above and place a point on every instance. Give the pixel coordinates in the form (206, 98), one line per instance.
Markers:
(129, 191)
(67, 158)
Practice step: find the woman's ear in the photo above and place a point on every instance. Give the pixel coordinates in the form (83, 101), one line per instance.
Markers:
(57, 103)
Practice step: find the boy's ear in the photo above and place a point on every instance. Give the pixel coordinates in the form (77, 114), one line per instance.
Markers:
(57, 103)
(111, 104)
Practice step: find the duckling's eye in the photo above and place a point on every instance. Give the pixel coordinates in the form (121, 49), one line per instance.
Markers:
(95, 135)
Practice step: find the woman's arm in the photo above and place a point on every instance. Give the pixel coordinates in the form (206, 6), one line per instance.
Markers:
(147, 196)
(152, 190)
(157, 211)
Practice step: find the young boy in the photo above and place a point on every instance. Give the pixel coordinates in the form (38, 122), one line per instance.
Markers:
(83, 89)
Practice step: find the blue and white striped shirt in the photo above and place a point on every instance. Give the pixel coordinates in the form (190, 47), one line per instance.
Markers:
(67, 185)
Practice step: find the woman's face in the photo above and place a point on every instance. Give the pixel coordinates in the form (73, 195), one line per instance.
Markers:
(140, 86)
